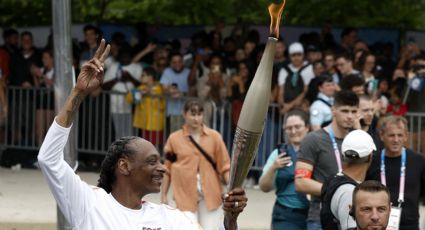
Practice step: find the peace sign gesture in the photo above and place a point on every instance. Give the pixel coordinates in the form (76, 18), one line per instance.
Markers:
(91, 75)
(89, 79)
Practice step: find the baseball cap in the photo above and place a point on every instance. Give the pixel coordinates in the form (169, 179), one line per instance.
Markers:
(357, 144)
(296, 47)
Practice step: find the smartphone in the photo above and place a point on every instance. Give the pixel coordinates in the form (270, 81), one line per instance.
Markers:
(283, 152)
(215, 69)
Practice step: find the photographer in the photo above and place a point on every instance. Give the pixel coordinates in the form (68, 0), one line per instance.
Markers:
(291, 208)
(211, 87)
(415, 102)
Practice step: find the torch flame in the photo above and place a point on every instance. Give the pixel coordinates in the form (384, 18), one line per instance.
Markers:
(275, 11)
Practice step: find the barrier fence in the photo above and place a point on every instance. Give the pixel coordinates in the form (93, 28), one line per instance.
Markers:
(104, 117)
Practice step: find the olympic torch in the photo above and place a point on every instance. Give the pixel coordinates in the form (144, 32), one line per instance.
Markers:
(254, 109)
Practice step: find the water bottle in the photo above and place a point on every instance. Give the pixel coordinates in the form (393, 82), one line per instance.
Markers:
(137, 96)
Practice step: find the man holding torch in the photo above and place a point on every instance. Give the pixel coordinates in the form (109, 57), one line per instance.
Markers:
(130, 170)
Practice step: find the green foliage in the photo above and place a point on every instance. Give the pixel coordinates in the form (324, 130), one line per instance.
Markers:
(25, 12)
(406, 14)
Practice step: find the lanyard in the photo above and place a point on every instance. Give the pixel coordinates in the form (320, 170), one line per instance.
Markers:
(402, 174)
(336, 150)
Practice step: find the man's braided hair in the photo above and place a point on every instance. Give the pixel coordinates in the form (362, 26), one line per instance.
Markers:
(117, 150)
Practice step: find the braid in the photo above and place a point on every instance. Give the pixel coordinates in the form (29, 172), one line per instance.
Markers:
(117, 150)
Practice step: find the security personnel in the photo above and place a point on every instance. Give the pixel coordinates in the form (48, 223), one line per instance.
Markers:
(320, 110)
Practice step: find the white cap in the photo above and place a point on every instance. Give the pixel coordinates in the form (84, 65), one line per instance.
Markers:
(358, 141)
(296, 47)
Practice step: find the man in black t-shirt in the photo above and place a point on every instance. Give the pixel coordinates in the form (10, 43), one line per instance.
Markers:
(393, 133)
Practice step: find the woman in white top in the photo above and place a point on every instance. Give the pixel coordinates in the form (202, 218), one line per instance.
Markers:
(44, 81)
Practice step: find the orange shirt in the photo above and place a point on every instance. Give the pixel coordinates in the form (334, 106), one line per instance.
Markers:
(190, 161)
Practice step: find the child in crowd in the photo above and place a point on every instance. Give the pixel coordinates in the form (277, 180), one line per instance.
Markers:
(149, 112)
(397, 106)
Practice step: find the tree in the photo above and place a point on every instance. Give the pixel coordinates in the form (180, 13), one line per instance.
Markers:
(407, 14)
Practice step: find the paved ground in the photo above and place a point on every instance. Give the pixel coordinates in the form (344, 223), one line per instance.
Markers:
(27, 204)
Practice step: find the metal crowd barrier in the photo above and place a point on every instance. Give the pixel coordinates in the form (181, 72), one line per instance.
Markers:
(98, 126)
(416, 123)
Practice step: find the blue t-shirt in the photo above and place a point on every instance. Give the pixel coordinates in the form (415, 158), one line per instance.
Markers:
(169, 77)
(284, 181)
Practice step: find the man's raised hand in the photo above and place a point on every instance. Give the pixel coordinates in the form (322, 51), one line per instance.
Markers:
(89, 79)
(91, 75)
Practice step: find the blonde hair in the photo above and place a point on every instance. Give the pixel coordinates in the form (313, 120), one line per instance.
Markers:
(392, 119)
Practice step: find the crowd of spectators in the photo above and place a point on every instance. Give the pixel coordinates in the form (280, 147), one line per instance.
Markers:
(219, 71)
(151, 84)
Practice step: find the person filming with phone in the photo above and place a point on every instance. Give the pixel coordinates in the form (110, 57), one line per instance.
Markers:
(291, 208)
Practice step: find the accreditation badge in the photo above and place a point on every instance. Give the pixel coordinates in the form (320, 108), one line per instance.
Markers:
(417, 83)
(394, 221)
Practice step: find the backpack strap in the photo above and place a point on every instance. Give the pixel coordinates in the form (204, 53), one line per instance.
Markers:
(324, 101)
(303, 67)
(329, 187)
(290, 72)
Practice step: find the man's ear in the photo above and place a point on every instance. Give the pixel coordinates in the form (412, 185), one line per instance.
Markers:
(352, 212)
(406, 138)
(123, 166)
(370, 158)
(381, 135)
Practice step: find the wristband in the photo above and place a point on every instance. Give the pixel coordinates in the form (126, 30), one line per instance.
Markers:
(303, 173)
